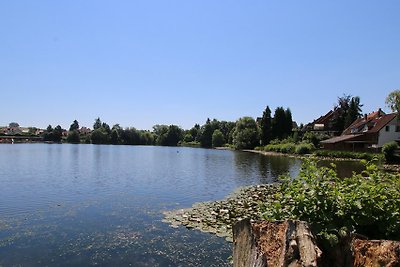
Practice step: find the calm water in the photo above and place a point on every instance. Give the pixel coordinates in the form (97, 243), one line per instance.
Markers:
(82, 205)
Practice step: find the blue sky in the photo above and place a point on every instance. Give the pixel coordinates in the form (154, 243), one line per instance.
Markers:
(141, 63)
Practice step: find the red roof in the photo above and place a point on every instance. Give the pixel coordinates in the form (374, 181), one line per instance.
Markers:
(341, 138)
(372, 123)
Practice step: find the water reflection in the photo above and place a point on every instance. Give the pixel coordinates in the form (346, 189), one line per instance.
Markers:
(344, 168)
(264, 168)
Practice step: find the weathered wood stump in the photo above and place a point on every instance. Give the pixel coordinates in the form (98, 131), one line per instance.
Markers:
(291, 244)
(279, 244)
(375, 253)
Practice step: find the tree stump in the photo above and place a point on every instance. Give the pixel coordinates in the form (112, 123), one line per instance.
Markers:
(375, 253)
(279, 244)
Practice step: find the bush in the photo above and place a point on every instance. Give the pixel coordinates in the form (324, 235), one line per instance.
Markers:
(347, 154)
(290, 148)
(366, 203)
(389, 151)
(304, 148)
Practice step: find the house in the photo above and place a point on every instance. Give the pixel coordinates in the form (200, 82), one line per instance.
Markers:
(369, 132)
(326, 124)
(85, 130)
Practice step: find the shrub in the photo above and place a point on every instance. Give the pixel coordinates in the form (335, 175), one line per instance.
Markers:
(287, 148)
(346, 154)
(304, 148)
(366, 203)
(290, 148)
(389, 151)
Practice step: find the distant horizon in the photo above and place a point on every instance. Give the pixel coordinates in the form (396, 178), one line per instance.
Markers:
(140, 64)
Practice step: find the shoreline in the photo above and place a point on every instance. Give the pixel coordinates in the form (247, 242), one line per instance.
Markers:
(218, 217)
(384, 167)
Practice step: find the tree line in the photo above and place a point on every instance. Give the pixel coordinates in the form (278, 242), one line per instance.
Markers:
(245, 133)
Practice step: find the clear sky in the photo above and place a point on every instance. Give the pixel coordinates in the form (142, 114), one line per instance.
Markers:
(141, 63)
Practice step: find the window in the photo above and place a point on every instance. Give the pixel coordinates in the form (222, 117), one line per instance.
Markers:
(387, 128)
(398, 128)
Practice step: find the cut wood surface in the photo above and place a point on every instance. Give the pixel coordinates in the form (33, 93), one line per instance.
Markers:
(279, 244)
(291, 244)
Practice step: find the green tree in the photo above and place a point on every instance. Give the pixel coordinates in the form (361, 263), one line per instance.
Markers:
(226, 128)
(57, 134)
(245, 135)
(218, 138)
(106, 127)
(97, 124)
(187, 138)
(279, 124)
(393, 101)
(48, 134)
(353, 112)
(206, 132)
(74, 126)
(288, 123)
(147, 138)
(341, 108)
(114, 138)
(174, 135)
(99, 136)
(195, 132)
(116, 133)
(160, 132)
(73, 137)
(13, 125)
(131, 136)
(265, 125)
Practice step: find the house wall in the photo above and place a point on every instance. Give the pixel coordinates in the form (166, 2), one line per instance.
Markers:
(391, 135)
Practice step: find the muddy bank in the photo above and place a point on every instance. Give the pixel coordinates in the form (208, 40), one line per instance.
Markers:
(217, 217)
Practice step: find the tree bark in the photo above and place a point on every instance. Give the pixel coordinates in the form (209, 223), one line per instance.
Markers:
(279, 244)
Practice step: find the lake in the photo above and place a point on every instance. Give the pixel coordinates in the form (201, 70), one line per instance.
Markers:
(94, 205)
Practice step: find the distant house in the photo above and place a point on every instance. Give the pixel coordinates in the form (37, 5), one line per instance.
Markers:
(39, 132)
(85, 131)
(326, 123)
(369, 132)
(13, 131)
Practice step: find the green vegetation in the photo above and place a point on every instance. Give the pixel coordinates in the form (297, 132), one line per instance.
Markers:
(389, 151)
(277, 133)
(314, 138)
(366, 203)
(73, 137)
(349, 110)
(393, 101)
(218, 138)
(245, 135)
(347, 154)
(288, 146)
(282, 124)
(53, 135)
(265, 127)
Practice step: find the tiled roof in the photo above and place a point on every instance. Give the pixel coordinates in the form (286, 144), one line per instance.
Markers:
(341, 138)
(374, 121)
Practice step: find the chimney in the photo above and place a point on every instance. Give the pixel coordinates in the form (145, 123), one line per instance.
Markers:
(365, 117)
